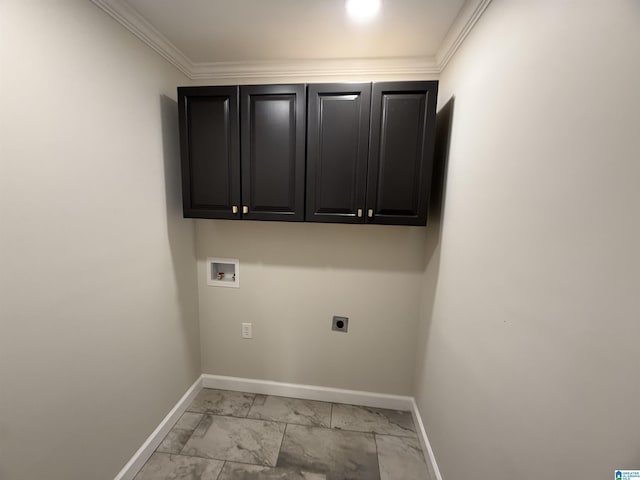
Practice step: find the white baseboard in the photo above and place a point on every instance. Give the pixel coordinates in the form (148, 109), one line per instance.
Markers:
(429, 457)
(308, 392)
(266, 387)
(151, 443)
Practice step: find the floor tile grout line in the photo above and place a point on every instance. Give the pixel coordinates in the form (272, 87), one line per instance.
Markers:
(375, 441)
(281, 442)
(331, 427)
(415, 435)
(283, 396)
(370, 408)
(253, 402)
(209, 412)
(284, 422)
(373, 432)
(217, 459)
(174, 429)
(221, 469)
(331, 417)
(190, 435)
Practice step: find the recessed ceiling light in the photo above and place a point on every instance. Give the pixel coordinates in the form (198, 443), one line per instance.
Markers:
(363, 9)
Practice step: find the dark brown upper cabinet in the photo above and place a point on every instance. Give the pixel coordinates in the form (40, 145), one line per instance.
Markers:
(273, 119)
(369, 152)
(401, 145)
(368, 156)
(210, 151)
(337, 151)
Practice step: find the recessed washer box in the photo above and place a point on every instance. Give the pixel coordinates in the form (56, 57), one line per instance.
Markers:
(223, 272)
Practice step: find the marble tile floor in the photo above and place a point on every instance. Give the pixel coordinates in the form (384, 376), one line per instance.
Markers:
(227, 435)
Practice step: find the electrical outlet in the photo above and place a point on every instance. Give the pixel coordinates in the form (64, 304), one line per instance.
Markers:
(340, 324)
(247, 330)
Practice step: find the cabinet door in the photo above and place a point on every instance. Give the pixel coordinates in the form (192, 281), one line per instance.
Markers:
(401, 152)
(210, 153)
(337, 151)
(273, 143)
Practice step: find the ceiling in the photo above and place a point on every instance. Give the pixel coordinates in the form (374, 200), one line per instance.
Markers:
(244, 38)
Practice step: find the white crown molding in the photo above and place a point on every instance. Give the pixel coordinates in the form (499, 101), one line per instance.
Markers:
(129, 18)
(469, 15)
(315, 68)
(123, 13)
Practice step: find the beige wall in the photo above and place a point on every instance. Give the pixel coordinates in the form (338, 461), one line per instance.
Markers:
(528, 361)
(293, 278)
(98, 324)
(296, 277)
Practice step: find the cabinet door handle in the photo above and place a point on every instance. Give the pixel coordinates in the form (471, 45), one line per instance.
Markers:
(245, 209)
(234, 209)
(370, 213)
(359, 212)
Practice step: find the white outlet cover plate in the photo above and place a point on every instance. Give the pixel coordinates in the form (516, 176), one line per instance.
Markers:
(247, 330)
